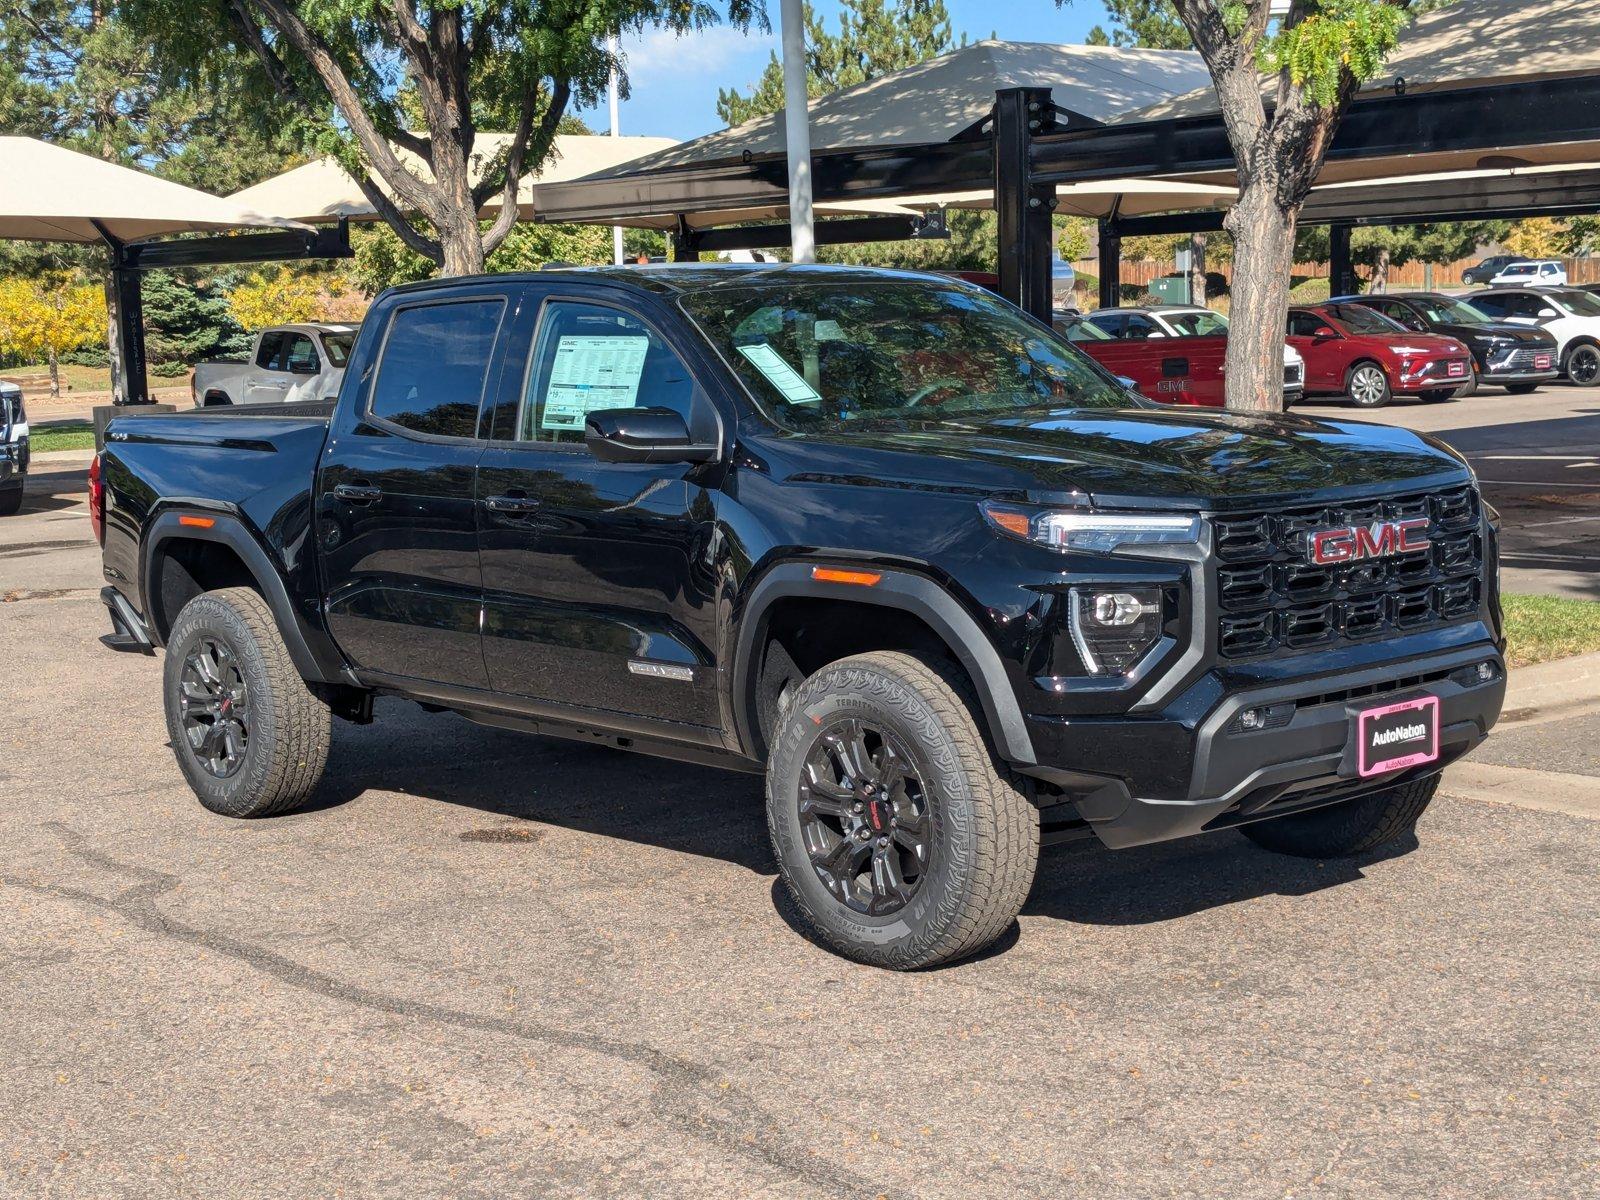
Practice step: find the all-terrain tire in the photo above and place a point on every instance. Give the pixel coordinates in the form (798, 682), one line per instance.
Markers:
(983, 844)
(1349, 828)
(288, 730)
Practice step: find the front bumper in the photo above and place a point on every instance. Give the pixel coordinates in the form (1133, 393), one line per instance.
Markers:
(1190, 768)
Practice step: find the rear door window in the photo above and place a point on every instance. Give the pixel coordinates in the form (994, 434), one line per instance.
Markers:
(435, 364)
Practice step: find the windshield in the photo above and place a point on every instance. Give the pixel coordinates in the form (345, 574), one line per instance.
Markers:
(1196, 324)
(338, 347)
(824, 353)
(1579, 303)
(1443, 310)
(1358, 318)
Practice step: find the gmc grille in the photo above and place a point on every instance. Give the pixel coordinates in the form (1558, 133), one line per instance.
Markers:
(1271, 597)
(1521, 360)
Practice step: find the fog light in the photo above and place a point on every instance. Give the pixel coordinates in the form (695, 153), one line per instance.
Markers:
(1252, 718)
(1113, 630)
(1487, 672)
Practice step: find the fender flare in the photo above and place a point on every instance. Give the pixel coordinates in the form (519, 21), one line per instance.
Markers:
(315, 664)
(914, 594)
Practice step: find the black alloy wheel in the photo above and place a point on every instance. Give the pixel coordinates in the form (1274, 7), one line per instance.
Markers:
(1583, 365)
(864, 817)
(214, 707)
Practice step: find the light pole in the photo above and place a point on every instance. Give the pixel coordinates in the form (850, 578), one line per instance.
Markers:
(797, 134)
(616, 131)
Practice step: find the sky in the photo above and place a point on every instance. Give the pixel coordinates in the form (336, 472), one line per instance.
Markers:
(675, 81)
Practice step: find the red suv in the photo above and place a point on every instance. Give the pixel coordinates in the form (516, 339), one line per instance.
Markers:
(1352, 351)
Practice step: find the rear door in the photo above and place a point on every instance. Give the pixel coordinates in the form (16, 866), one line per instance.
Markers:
(597, 580)
(396, 504)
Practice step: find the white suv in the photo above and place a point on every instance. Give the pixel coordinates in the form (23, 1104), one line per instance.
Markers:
(1570, 315)
(1545, 272)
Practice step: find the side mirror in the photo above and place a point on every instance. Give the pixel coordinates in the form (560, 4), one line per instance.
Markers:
(1547, 314)
(1131, 384)
(642, 435)
(1324, 333)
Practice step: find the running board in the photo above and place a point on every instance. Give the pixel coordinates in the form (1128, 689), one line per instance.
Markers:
(131, 635)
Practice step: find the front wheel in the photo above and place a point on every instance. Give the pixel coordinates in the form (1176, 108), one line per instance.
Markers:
(1440, 395)
(1348, 828)
(10, 501)
(1583, 365)
(1521, 389)
(249, 736)
(1368, 386)
(900, 839)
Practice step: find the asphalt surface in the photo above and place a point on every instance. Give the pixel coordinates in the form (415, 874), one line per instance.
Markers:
(485, 964)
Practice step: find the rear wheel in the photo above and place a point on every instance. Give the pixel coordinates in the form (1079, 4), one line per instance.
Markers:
(249, 736)
(1348, 828)
(1368, 386)
(10, 501)
(1583, 365)
(901, 840)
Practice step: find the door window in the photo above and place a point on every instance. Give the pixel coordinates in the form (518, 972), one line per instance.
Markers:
(586, 358)
(1304, 324)
(434, 366)
(1494, 306)
(269, 355)
(1113, 325)
(300, 355)
(1140, 328)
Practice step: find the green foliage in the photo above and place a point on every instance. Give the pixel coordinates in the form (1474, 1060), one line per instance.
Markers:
(1334, 39)
(1073, 237)
(382, 260)
(185, 322)
(874, 38)
(973, 245)
(1150, 24)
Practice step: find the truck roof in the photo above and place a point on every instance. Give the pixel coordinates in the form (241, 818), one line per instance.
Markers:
(677, 278)
(310, 327)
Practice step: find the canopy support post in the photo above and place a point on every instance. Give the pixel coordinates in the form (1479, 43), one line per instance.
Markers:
(1022, 206)
(125, 295)
(1341, 274)
(1110, 254)
(685, 242)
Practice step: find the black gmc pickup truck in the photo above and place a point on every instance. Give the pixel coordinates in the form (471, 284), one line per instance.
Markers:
(878, 536)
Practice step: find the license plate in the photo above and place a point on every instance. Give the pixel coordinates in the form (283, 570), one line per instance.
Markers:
(1542, 362)
(1457, 368)
(1397, 736)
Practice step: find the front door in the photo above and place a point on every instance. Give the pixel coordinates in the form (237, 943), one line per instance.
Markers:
(598, 591)
(267, 380)
(1323, 355)
(396, 515)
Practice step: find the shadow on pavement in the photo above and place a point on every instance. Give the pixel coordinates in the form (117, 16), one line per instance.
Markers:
(54, 489)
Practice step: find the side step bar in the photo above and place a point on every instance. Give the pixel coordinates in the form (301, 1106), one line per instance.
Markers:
(131, 634)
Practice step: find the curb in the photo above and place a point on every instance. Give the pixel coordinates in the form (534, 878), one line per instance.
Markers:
(1548, 690)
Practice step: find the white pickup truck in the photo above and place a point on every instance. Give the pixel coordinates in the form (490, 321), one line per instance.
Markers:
(288, 364)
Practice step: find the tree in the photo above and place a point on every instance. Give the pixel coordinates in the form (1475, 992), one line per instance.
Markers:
(1536, 237)
(1282, 83)
(187, 321)
(1149, 24)
(460, 65)
(875, 37)
(47, 318)
(275, 297)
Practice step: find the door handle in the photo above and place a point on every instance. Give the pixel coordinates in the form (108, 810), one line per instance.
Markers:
(352, 493)
(511, 505)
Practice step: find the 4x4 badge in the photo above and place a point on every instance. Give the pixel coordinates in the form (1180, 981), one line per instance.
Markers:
(1382, 539)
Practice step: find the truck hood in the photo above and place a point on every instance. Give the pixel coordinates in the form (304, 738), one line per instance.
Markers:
(1132, 457)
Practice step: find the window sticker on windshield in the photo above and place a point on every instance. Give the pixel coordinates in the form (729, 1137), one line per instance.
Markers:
(790, 383)
(827, 331)
(592, 373)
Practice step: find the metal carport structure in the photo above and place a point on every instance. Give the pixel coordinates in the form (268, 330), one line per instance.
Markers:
(1457, 110)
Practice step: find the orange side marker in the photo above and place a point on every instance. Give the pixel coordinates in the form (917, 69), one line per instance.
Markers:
(836, 575)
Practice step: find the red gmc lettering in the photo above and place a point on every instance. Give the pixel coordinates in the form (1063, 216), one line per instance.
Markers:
(1378, 540)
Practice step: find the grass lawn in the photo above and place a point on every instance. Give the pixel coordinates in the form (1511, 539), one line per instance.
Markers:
(1539, 628)
(36, 379)
(70, 435)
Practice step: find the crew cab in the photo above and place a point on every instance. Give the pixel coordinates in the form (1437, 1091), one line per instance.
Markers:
(876, 536)
(1352, 351)
(288, 364)
(1512, 356)
(13, 448)
(1190, 321)
(1570, 315)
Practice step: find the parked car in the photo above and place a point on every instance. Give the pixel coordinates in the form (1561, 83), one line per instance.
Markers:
(1482, 272)
(14, 449)
(288, 364)
(1354, 352)
(1514, 357)
(1570, 315)
(1540, 273)
(874, 535)
(1189, 321)
(1166, 371)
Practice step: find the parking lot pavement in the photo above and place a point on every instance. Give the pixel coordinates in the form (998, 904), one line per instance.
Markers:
(1538, 460)
(486, 964)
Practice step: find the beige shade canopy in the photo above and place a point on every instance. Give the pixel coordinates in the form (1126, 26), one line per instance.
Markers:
(48, 194)
(322, 191)
(1112, 197)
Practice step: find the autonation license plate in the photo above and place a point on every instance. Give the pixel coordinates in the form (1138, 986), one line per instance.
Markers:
(1397, 736)
(1457, 368)
(1543, 362)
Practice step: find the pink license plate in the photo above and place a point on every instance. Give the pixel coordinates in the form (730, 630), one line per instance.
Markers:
(1458, 368)
(1542, 362)
(1397, 736)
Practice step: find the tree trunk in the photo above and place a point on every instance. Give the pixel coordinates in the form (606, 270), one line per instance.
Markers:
(55, 374)
(1197, 268)
(1380, 271)
(1263, 255)
(463, 249)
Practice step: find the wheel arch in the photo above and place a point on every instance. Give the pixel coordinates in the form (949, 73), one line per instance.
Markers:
(915, 596)
(227, 555)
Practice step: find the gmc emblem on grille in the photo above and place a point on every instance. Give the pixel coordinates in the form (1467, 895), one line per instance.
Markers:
(1382, 539)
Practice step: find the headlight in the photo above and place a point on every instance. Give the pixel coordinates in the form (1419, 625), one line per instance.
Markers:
(1099, 532)
(1114, 627)
(1411, 350)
